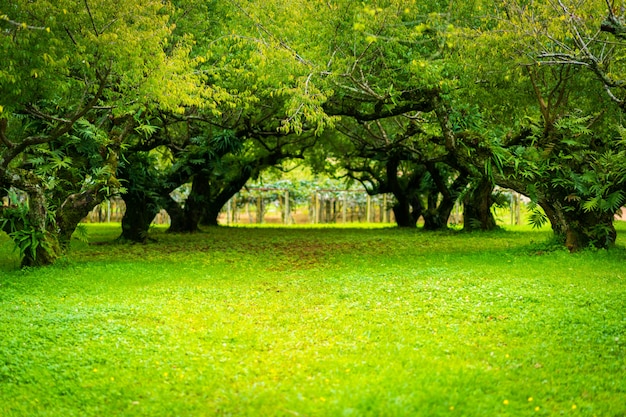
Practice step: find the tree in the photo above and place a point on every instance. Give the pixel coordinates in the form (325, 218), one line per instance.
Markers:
(369, 62)
(558, 149)
(67, 66)
(397, 155)
(273, 115)
(143, 181)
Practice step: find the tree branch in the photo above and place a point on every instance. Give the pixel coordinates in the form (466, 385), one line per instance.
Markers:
(23, 25)
(3, 136)
(61, 129)
(32, 110)
(420, 101)
(93, 23)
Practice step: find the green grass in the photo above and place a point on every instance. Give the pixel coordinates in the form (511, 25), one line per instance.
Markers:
(315, 322)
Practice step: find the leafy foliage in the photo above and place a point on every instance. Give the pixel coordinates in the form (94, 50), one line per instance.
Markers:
(15, 222)
(420, 99)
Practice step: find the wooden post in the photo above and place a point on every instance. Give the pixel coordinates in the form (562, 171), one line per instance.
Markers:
(228, 211)
(512, 208)
(368, 210)
(385, 212)
(318, 208)
(287, 208)
(352, 209)
(248, 212)
(259, 208)
(233, 218)
(328, 210)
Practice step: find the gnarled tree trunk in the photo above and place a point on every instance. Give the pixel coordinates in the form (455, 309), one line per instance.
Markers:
(406, 211)
(578, 228)
(219, 194)
(181, 219)
(44, 248)
(140, 211)
(438, 212)
(75, 208)
(477, 204)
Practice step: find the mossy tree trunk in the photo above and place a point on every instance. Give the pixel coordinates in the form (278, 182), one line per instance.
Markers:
(43, 248)
(578, 228)
(47, 253)
(73, 210)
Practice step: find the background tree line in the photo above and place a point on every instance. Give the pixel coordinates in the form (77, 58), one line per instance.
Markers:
(434, 102)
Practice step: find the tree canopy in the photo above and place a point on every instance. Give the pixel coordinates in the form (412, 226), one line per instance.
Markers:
(433, 101)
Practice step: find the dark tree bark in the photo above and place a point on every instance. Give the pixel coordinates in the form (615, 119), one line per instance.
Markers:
(143, 199)
(28, 222)
(441, 196)
(218, 196)
(186, 218)
(576, 227)
(179, 221)
(140, 211)
(477, 204)
(210, 215)
(408, 208)
(436, 219)
(51, 237)
(580, 229)
(406, 211)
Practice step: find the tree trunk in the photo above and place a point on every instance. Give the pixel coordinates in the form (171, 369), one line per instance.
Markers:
(140, 211)
(218, 194)
(47, 253)
(44, 247)
(477, 204)
(211, 214)
(405, 213)
(186, 219)
(437, 215)
(580, 229)
(212, 209)
(436, 219)
(576, 227)
(42, 241)
(75, 208)
(181, 221)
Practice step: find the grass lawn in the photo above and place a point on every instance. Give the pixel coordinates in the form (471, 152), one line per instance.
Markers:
(315, 322)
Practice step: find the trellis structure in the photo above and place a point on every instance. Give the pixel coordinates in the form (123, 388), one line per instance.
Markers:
(323, 206)
(278, 205)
